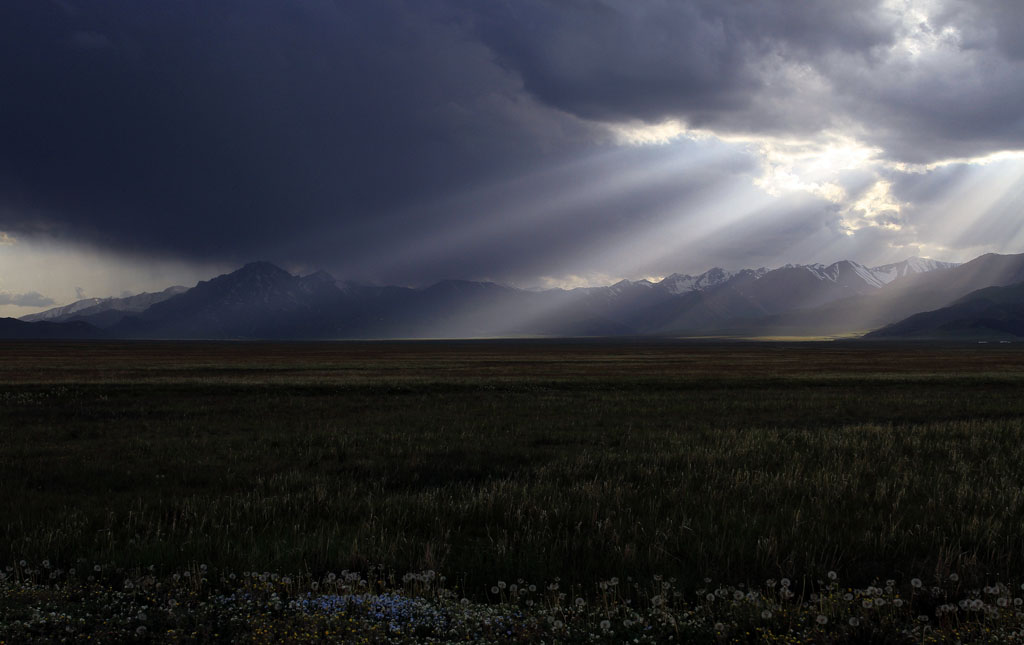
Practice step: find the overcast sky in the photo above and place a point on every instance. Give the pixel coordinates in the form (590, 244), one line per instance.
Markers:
(529, 142)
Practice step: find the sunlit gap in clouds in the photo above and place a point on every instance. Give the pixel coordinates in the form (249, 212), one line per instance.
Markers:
(65, 272)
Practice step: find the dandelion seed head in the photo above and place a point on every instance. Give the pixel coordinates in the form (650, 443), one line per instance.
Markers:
(832, 575)
(916, 583)
(766, 614)
(854, 621)
(822, 619)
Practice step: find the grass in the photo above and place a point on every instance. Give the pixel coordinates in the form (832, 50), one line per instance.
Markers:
(532, 460)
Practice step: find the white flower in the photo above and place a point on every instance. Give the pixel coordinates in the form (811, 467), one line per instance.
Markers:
(822, 619)
(719, 627)
(494, 590)
(954, 577)
(606, 625)
(784, 582)
(879, 602)
(916, 583)
(580, 602)
(766, 614)
(854, 621)
(737, 595)
(501, 584)
(832, 575)
(897, 602)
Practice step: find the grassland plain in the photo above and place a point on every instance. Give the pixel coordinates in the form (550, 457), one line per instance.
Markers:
(533, 461)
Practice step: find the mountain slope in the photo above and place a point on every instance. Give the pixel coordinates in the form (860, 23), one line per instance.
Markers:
(104, 312)
(989, 312)
(906, 296)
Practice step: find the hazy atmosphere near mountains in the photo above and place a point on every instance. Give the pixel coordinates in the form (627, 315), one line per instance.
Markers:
(532, 143)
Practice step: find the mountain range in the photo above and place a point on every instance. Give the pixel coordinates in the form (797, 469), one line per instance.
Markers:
(262, 301)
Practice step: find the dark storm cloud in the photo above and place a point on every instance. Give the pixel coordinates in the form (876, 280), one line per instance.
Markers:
(225, 128)
(31, 299)
(706, 61)
(379, 134)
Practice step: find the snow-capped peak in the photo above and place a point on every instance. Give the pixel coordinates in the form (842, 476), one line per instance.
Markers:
(680, 283)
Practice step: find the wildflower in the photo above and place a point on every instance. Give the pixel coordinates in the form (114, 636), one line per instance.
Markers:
(559, 624)
(580, 602)
(890, 583)
(96, 568)
(822, 619)
(847, 596)
(832, 575)
(866, 603)
(501, 584)
(533, 588)
(766, 614)
(737, 595)
(897, 602)
(923, 618)
(879, 602)
(46, 564)
(915, 583)
(657, 601)
(953, 577)
(1002, 602)
(711, 597)
(614, 581)
(23, 564)
(719, 627)
(854, 621)
(494, 590)
(606, 625)
(784, 582)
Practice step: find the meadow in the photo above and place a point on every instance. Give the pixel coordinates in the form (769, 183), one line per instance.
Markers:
(653, 477)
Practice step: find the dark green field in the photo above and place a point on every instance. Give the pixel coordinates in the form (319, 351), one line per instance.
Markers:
(527, 459)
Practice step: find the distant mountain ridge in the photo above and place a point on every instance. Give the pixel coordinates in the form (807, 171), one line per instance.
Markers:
(103, 312)
(261, 300)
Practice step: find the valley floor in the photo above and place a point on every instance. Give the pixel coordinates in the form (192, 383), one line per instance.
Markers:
(700, 465)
